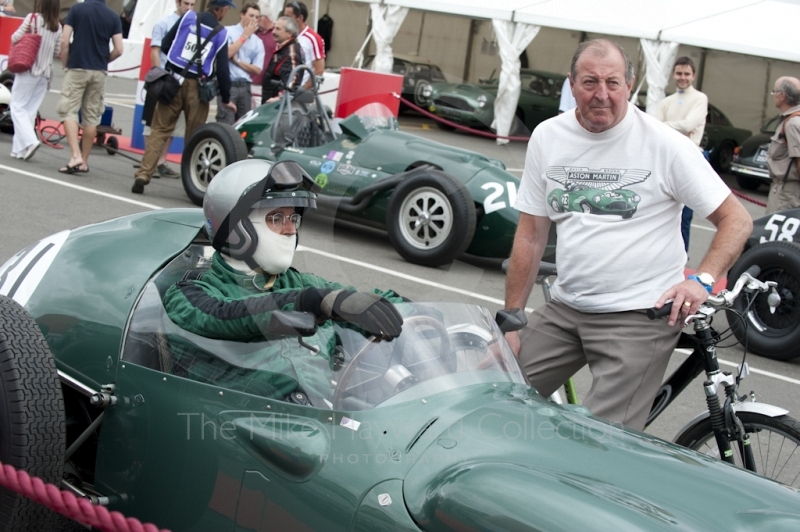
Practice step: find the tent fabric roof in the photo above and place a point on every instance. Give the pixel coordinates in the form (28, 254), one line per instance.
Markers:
(766, 28)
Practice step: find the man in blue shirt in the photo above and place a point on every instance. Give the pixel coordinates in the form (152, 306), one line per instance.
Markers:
(246, 55)
(158, 57)
(91, 25)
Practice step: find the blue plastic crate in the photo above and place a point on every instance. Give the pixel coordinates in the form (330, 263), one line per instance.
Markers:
(105, 120)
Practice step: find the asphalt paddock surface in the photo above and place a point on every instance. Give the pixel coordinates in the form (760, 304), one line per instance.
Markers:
(36, 201)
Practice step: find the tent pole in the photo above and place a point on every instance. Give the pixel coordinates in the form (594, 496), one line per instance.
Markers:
(421, 29)
(767, 89)
(473, 29)
(701, 69)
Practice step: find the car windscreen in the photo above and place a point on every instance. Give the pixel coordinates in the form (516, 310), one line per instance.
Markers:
(442, 346)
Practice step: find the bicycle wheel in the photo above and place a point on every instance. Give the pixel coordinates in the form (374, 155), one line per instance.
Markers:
(775, 442)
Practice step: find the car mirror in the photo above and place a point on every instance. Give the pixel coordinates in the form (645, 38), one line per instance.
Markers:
(511, 319)
(290, 323)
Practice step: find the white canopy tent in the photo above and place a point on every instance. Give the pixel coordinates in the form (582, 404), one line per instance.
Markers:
(765, 28)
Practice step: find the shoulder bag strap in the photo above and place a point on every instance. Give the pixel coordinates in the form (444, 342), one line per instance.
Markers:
(198, 55)
(783, 136)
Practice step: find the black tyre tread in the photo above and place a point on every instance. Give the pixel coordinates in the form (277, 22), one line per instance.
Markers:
(701, 432)
(770, 255)
(31, 414)
(748, 183)
(463, 230)
(717, 162)
(231, 141)
(7, 78)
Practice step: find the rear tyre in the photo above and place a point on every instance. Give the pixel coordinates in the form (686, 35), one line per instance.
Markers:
(7, 78)
(722, 162)
(430, 218)
(772, 335)
(774, 441)
(113, 144)
(210, 149)
(32, 427)
(748, 183)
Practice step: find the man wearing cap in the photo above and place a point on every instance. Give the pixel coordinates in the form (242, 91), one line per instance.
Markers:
(246, 55)
(180, 45)
(253, 210)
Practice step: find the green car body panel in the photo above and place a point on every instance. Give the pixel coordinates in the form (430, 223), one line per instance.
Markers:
(367, 156)
(487, 454)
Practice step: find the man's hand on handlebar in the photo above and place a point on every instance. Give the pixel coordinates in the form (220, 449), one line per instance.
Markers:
(686, 297)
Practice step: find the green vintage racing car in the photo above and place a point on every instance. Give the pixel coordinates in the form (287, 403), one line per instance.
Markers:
(472, 104)
(435, 201)
(434, 431)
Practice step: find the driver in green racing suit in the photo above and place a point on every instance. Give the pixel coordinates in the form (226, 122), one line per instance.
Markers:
(253, 209)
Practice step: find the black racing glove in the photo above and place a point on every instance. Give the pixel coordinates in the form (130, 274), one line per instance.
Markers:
(371, 312)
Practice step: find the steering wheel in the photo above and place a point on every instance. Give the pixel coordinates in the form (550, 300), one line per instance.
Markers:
(395, 368)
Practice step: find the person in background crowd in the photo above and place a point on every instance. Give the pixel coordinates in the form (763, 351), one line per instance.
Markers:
(287, 56)
(7, 7)
(246, 55)
(90, 25)
(179, 44)
(157, 57)
(784, 147)
(264, 32)
(685, 112)
(126, 17)
(30, 87)
(312, 44)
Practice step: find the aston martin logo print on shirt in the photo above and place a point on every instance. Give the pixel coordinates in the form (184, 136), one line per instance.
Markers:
(595, 191)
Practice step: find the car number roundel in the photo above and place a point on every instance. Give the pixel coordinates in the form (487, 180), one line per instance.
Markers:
(496, 198)
(23, 272)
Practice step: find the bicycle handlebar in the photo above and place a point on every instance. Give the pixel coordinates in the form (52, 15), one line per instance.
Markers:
(725, 298)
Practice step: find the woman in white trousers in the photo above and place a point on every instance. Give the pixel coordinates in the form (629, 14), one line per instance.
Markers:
(30, 87)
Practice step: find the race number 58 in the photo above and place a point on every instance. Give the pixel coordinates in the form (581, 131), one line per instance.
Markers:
(781, 228)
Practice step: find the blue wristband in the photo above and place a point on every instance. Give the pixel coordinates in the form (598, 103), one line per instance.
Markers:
(694, 277)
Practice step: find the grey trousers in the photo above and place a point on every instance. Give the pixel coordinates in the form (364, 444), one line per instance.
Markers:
(241, 97)
(627, 354)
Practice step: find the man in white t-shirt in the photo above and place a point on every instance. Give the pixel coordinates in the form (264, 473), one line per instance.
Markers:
(614, 180)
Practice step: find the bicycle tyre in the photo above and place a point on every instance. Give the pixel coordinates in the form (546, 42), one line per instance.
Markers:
(774, 440)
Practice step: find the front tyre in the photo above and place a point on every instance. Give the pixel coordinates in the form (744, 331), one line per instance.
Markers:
(774, 441)
(211, 148)
(430, 218)
(32, 426)
(770, 334)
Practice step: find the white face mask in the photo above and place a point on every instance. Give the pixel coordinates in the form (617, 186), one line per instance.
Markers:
(275, 251)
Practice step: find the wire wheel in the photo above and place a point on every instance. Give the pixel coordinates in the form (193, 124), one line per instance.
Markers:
(426, 218)
(208, 158)
(775, 442)
(770, 334)
(209, 149)
(787, 314)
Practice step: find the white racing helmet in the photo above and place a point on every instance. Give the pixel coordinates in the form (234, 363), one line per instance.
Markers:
(247, 185)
